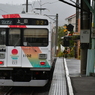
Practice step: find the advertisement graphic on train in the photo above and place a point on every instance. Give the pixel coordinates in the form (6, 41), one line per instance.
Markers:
(32, 53)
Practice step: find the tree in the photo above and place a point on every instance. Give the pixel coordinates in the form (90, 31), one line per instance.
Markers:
(61, 33)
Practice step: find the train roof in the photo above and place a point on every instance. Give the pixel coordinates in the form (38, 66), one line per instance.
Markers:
(24, 15)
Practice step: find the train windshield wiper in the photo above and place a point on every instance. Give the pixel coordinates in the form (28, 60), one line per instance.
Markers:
(16, 42)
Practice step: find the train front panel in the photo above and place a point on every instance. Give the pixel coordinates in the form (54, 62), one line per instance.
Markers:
(25, 51)
(25, 66)
(28, 57)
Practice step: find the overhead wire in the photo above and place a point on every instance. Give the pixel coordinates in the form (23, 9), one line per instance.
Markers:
(38, 2)
(49, 2)
(3, 11)
(73, 1)
(32, 5)
(41, 4)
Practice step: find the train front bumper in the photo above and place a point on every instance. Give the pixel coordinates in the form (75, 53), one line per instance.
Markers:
(34, 83)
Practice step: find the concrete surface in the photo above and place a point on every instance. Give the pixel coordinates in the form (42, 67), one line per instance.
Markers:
(82, 85)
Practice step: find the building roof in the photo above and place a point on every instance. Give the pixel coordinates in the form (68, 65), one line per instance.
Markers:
(70, 16)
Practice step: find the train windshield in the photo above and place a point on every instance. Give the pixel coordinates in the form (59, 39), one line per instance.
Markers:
(14, 37)
(35, 37)
(28, 37)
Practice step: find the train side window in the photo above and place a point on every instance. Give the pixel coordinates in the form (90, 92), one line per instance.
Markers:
(2, 36)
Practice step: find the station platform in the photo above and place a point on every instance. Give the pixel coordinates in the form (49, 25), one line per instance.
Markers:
(81, 84)
(67, 79)
(58, 85)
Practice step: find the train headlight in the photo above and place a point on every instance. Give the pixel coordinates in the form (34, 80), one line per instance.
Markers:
(42, 56)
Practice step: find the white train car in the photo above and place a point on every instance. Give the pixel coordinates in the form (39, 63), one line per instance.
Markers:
(27, 50)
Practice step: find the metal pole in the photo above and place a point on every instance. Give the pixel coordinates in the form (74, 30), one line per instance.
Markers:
(26, 5)
(40, 7)
(93, 40)
(56, 43)
(85, 24)
(91, 52)
(77, 16)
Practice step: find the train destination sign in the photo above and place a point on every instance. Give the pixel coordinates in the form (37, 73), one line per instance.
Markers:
(23, 21)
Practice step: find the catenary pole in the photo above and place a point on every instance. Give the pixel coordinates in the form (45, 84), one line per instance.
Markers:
(85, 24)
(56, 43)
(77, 15)
(91, 52)
(26, 5)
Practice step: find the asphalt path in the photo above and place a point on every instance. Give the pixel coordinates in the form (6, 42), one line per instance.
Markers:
(74, 67)
(82, 85)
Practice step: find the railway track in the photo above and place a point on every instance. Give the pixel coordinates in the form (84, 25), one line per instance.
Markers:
(24, 91)
(17, 91)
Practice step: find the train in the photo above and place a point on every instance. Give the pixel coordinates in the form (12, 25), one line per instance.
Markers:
(27, 49)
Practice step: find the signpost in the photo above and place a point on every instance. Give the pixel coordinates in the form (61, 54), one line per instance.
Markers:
(85, 36)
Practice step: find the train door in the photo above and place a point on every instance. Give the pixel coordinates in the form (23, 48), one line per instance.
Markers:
(13, 48)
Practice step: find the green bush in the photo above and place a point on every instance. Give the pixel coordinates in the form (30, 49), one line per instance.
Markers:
(60, 54)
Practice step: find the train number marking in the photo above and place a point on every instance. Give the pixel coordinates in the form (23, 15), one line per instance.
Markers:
(14, 62)
(27, 55)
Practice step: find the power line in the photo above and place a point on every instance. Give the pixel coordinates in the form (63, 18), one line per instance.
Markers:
(40, 3)
(32, 5)
(50, 2)
(73, 1)
(3, 11)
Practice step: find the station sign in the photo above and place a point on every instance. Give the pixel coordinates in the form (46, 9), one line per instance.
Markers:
(23, 21)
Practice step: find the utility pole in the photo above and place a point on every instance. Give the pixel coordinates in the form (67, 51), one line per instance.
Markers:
(91, 52)
(77, 26)
(26, 5)
(77, 15)
(85, 24)
(40, 7)
(55, 19)
(56, 43)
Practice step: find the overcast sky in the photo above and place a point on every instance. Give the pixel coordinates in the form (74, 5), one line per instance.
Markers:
(52, 7)
(14, 1)
(24, 1)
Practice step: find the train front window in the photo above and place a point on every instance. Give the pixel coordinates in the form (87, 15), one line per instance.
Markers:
(2, 36)
(35, 37)
(14, 37)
